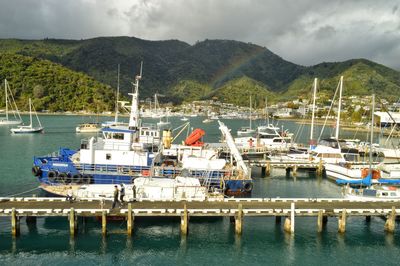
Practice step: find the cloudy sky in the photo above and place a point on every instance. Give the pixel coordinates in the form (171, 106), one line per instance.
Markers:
(302, 31)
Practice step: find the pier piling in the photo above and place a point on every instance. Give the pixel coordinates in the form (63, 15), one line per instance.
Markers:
(129, 220)
(239, 220)
(278, 219)
(368, 218)
(342, 221)
(391, 221)
(320, 219)
(295, 170)
(104, 223)
(289, 222)
(72, 222)
(14, 223)
(184, 221)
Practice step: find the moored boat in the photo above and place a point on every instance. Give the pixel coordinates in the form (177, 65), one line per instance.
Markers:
(88, 128)
(30, 128)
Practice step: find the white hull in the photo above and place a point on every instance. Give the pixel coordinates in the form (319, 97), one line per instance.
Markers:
(26, 130)
(10, 122)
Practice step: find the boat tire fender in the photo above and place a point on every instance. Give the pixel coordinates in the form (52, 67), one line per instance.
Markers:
(62, 177)
(51, 176)
(76, 178)
(36, 171)
(248, 187)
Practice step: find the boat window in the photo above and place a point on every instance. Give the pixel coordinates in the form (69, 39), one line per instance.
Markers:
(108, 135)
(108, 156)
(393, 194)
(118, 136)
(278, 140)
(384, 194)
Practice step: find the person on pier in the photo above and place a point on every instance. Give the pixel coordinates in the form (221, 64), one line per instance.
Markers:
(116, 193)
(70, 195)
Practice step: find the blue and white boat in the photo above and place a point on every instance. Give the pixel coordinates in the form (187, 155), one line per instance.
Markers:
(122, 149)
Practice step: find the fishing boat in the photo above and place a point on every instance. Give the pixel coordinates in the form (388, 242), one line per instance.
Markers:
(88, 128)
(120, 153)
(10, 104)
(30, 128)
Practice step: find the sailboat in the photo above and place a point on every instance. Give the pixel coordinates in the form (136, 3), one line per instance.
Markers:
(29, 129)
(246, 131)
(164, 123)
(10, 103)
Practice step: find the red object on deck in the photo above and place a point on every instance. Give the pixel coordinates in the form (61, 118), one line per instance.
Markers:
(195, 137)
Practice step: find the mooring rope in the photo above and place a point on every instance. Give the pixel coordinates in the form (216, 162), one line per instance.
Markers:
(13, 195)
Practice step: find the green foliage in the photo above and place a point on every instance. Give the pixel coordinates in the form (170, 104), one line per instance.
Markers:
(220, 68)
(188, 91)
(238, 92)
(52, 86)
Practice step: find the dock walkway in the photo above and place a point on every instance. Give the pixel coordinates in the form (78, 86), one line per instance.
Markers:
(236, 208)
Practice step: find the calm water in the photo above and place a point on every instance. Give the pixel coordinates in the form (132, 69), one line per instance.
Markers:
(158, 242)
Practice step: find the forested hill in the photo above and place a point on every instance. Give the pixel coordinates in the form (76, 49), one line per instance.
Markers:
(51, 86)
(183, 72)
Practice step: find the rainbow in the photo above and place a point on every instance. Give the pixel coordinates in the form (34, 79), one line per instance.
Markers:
(234, 64)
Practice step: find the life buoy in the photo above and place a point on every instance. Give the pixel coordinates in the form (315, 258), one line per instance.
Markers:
(51, 176)
(62, 177)
(36, 171)
(76, 178)
(248, 187)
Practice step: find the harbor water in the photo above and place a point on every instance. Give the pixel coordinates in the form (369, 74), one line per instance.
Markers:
(159, 242)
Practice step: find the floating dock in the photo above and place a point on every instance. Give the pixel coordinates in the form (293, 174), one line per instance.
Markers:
(235, 208)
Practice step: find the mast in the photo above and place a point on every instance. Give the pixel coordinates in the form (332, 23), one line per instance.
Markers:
(372, 135)
(5, 89)
(30, 112)
(250, 114)
(313, 111)
(134, 116)
(339, 108)
(266, 109)
(116, 103)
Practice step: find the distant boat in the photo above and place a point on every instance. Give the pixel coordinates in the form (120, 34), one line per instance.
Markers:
(88, 128)
(29, 129)
(10, 103)
(184, 119)
(207, 120)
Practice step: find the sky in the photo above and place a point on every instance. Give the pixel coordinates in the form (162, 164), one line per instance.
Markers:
(304, 32)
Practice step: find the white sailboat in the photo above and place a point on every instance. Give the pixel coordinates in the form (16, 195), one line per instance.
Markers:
(29, 129)
(247, 131)
(10, 104)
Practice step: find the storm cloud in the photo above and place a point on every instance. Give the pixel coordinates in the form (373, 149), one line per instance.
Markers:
(305, 32)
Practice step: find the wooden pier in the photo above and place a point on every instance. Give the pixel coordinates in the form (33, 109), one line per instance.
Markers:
(291, 167)
(236, 208)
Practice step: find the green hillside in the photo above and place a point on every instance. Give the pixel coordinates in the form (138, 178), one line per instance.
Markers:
(52, 86)
(360, 77)
(238, 92)
(183, 72)
(187, 91)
